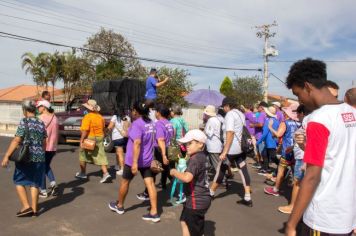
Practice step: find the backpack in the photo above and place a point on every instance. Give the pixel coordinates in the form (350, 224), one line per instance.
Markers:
(246, 139)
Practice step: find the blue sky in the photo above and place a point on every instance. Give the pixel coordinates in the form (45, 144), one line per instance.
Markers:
(202, 32)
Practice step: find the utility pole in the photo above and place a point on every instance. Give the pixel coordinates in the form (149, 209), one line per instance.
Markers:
(265, 33)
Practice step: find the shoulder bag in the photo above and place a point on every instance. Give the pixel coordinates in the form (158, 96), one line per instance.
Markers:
(22, 152)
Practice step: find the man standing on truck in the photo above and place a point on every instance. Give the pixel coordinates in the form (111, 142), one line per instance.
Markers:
(152, 83)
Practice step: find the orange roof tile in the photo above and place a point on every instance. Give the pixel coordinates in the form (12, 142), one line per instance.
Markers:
(21, 92)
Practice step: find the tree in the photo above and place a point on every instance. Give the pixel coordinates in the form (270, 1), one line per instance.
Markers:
(117, 51)
(174, 90)
(76, 75)
(226, 87)
(54, 70)
(247, 90)
(111, 69)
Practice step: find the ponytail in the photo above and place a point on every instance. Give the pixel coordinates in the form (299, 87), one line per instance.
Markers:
(143, 110)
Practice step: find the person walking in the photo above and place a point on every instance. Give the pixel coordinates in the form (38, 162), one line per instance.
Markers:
(234, 122)
(119, 125)
(270, 141)
(139, 156)
(286, 130)
(92, 128)
(326, 198)
(50, 120)
(180, 126)
(31, 131)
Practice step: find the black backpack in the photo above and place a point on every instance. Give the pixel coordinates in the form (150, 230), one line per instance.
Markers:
(246, 139)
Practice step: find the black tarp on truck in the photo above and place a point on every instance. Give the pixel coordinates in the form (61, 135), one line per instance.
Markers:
(118, 95)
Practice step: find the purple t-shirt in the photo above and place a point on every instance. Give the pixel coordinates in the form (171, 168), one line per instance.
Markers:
(250, 118)
(260, 120)
(280, 116)
(164, 129)
(139, 129)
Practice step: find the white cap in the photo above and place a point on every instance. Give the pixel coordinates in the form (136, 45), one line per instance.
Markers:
(194, 134)
(210, 110)
(43, 103)
(278, 104)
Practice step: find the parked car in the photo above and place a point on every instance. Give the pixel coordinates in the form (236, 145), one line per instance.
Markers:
(111, 95)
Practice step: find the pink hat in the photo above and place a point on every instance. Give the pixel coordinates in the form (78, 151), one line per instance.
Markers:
(290, 111)
(43, 103)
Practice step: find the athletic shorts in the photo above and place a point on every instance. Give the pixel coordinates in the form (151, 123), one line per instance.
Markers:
(194, 220)
(120, 142)
(304, 229)
(145, 172)
(298, 172)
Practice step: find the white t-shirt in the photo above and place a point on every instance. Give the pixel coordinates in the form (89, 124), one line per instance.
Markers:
(212, 131)
(332, 128)
(118, 126)
(234, 121)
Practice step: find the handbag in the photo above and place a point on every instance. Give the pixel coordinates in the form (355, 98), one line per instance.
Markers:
(89, 144)
(156, 167)
(22, 152)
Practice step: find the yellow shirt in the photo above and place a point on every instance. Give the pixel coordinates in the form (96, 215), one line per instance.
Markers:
(94, 123)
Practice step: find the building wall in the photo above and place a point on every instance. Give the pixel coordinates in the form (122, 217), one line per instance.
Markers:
(10, 115)
(193, 116)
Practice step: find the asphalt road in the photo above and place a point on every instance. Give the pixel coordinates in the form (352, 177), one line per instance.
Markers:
(81, 208)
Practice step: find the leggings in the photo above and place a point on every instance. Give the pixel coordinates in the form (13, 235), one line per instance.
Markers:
(239, 161)
(271, 156)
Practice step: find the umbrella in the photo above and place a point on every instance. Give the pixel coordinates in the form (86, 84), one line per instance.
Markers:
(204, 97)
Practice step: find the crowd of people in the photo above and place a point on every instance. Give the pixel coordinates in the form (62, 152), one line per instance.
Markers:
(312, 142)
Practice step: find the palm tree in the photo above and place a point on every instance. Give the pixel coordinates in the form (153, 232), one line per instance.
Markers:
(30, 64)
(55, 69)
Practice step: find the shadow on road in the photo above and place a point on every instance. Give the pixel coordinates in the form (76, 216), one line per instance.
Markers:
(209, 229)
(63, 198)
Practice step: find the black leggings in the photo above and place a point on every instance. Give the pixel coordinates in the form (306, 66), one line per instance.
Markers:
(239, 161)
(271, 156)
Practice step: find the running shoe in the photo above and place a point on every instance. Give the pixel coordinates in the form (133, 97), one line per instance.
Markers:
(262, 172)
(154, 218)
(105, 178)
(245, 202)
(119, 210)
(256, 166)
(270, 191)
(53, 190)
(80, 175)
(43, 194)
(143, 196)
(119, 172)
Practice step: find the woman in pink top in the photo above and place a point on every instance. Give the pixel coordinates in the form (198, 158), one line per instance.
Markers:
(51, 123)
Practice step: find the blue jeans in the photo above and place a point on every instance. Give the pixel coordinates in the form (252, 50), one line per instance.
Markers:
(298, 172)
(48, 171)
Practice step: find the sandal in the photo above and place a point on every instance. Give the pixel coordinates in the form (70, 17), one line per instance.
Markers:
(26, 212)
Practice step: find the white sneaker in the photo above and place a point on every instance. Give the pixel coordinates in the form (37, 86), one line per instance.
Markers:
(43, 194)
(81, 175)
(105, 178)
(119, 172)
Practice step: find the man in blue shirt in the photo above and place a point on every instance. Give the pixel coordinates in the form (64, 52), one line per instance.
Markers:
(152, 83)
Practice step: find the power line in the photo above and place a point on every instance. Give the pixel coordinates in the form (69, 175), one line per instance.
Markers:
(331, 61)
(277, 78)
(23, 38)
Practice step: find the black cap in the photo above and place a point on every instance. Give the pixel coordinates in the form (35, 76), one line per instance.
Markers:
(153, 70)
(263, 104)
(228, 101)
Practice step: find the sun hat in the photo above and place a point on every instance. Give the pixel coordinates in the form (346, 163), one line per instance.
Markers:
(43, 103)
(270, 111)
(210, 110)
(193, 134)
(290, 111)
(91, 105)
(278, 104)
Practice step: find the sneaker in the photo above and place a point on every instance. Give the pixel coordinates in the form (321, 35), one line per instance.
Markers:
(105, 178)
(262, 172)
(120, 172)
(119, 210)
(143, 196)
(154, 218)
(43, 194)
(117, 167)
(53, 190)
(244, 202)
(80, 175)
(270, 191)
(256, 166)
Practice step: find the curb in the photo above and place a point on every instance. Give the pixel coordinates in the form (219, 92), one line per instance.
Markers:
(7, 135)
